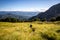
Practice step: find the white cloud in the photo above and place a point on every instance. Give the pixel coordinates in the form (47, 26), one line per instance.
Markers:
(34, 9)
(27, 9)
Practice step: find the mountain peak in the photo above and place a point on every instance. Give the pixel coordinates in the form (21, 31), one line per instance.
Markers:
(53, 11)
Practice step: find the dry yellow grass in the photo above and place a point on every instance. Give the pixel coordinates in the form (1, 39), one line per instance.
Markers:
(22, 31)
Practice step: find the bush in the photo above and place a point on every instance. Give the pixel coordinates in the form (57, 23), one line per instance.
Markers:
(8, 19)
(53, 19)
(44, 19)
(58, 18)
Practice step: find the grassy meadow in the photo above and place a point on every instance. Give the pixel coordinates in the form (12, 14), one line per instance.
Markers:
(23, 31)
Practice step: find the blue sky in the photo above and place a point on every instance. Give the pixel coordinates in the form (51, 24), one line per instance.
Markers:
(26, 5)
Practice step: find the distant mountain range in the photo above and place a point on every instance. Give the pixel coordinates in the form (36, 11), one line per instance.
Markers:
(53, 11)
(17, 14)
(21, 13)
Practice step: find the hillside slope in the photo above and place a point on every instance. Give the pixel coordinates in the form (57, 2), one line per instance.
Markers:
(53, 11)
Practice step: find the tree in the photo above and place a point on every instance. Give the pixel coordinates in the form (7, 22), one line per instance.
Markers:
(44, 19)
(9, 19)
(36, 19)
(53, 19)
(58, 18)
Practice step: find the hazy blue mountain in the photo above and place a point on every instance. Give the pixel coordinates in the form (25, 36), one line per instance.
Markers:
(17, 14)
(30, 14)
(12, 16)
(53, 11)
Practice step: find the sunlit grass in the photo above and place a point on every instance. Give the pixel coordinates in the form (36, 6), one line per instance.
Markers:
(22, 31)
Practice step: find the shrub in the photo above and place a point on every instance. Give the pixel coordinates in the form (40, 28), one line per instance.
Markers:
(58, 18)
(9, 19)
(53, 19)
(44, 19)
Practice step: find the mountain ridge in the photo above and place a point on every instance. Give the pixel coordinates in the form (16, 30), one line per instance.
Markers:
(53, 11)
(16, 14)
